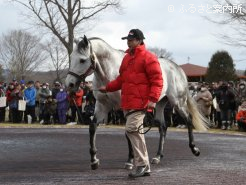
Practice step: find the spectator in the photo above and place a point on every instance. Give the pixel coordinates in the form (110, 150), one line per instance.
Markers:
(48, 87)
(75, 101)
(30, 97)
(62, 105)
(224, 97)
(242, 91)
(43, 95)
(234, 102)
(55, 90)
(16, 95)
(10, 88)
(90, 102)
(49, 110)
(212, 89)
(38, 88)
(241, 117)
(23, 86)
(204, 101)
(2, 109)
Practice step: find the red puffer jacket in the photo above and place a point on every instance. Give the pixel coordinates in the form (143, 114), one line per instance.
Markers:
(241, 115)
(78, 97)
(140, 79)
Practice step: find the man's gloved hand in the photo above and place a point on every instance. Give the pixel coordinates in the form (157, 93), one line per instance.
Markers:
(151, 105)
(102, 89)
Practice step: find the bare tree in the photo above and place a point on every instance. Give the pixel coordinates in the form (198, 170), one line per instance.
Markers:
(231, 14)
(59, 58)
(161, 53)
(1, 73)
(65, 18)
(21, 53)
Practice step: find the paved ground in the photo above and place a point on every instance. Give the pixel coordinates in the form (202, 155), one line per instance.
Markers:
(36, 156)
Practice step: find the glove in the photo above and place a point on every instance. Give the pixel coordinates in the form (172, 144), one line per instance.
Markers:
(151, 105)
(102, 89)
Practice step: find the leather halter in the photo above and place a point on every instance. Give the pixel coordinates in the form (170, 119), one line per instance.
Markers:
(91, 68)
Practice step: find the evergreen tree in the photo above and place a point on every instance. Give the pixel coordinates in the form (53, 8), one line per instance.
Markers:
(221, 68)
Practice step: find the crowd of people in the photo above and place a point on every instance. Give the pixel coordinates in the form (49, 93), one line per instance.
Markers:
(223, 103)
(45, 104)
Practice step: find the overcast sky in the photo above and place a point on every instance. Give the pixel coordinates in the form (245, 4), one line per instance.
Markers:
(184, 34)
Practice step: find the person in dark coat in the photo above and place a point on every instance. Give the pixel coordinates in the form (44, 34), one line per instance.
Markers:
(16, 95)
(49, 110)
(224, 98)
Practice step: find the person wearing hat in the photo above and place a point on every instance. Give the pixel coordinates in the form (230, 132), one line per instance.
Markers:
(140, 80)
(43, 94)
(30, 97)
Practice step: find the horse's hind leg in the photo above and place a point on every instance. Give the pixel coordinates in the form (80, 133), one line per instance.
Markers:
(187, 118)
(93, 150)
(129, 162)
(192, 146)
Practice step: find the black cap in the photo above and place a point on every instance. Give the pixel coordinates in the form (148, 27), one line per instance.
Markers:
(134, 34)
(30, 82)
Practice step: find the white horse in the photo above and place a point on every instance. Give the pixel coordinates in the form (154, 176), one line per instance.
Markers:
(96, 56)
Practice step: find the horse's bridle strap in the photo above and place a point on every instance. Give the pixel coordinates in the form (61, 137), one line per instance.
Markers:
(76, 75)
(88, 71)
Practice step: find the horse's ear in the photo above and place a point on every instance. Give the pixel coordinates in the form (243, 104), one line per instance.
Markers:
(76, 41)
(85, 40)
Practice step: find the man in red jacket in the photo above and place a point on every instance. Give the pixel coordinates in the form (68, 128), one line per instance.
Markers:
(140, 80)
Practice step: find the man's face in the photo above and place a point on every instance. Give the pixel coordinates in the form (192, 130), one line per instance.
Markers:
(132, 43)
(37, 84)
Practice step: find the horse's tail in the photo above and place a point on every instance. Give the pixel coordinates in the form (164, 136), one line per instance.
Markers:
(198, 120)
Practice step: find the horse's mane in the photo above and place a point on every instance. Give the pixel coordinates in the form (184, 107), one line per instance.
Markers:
(97, 38)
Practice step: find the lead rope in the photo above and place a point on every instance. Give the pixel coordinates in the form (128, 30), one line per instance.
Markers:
(148, 122)
(78, 111)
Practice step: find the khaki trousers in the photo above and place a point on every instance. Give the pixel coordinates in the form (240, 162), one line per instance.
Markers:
(133, 121)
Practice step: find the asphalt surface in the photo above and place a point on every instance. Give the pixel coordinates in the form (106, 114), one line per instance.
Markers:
(37, 156)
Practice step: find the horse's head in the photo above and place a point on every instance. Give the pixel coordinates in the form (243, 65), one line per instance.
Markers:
(82, 63)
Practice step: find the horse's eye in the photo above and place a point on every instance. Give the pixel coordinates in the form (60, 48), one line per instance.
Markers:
(82, 60)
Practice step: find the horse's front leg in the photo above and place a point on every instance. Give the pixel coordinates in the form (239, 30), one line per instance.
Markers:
(159, 155)
(129, 162)
(99, 117)
(195, 150)
(93, 150)
(159, 119)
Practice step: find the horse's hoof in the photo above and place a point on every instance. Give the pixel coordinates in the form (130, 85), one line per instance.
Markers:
(128, 166)
(95, 164)
(196, 151)
(155, 160)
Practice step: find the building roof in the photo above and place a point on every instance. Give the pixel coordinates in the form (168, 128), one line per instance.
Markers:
(193, 70)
